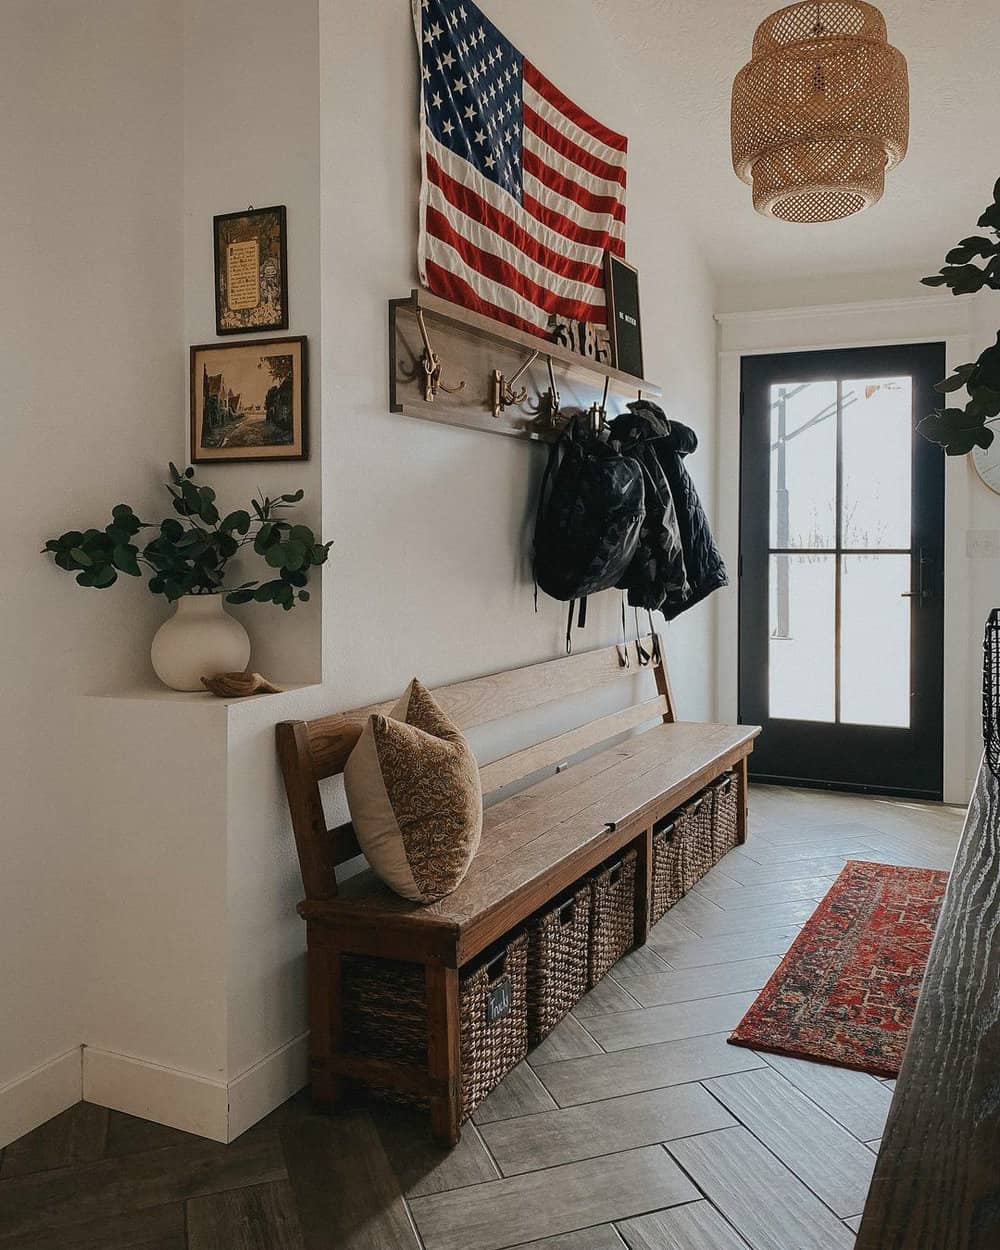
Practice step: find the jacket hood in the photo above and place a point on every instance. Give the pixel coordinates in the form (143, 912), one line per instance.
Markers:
(679, 438)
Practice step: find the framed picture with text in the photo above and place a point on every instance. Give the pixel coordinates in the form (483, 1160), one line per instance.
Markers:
(248, 401)
(251, 271)
(621, 282)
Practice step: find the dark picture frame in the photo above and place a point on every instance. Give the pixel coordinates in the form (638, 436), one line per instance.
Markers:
(249, 401)
(251, 271)
(621, 286)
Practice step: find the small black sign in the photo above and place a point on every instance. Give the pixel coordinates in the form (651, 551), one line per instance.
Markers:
(621, 282)
(499, 1001)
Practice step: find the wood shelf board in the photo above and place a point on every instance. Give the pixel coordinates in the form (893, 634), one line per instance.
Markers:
(470, 347)
(435, 306)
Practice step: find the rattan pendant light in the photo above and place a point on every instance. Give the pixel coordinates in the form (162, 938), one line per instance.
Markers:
(820, 112)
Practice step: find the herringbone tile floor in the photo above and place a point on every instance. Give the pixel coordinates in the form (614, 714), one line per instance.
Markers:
(633, 1125)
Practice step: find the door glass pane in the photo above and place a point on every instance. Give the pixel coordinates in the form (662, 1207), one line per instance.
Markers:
(801, 649)
(877, 451)
(875, 641)
(803, 464)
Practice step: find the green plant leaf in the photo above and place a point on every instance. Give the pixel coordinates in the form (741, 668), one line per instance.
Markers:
(295, 498)
(304, 596)
(937, 279)
(303, 534)
(275, 556)
(125, 559)
(81, 557)
(991, 218)
(240, 596)
(238, 521)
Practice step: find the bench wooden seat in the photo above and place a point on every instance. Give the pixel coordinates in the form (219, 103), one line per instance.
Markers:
(535, 844)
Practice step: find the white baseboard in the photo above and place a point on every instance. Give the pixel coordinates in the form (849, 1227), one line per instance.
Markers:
(256, 1092)
(193, 1103)
(39, 1095)
(166, 1095)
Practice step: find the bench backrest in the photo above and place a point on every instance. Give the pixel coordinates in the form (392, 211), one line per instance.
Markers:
(310, 751)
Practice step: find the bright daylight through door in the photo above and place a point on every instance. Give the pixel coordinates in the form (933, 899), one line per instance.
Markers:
(839, 553)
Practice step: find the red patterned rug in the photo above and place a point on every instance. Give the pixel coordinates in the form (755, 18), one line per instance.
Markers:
(846, 991)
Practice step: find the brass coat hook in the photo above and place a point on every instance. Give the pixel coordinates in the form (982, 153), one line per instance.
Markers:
(504, 394)
(598, 413)
(432, 366)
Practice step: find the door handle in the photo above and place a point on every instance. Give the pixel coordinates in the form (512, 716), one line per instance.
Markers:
(923, 592)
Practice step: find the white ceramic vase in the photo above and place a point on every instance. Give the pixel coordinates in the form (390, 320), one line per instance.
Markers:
(199, 640)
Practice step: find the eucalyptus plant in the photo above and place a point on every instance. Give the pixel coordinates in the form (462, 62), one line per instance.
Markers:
(190, 556)
(958, 430)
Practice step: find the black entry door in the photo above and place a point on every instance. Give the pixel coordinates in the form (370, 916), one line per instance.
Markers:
(841, 569)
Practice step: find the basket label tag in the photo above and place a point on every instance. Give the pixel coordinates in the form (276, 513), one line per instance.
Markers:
(499, 1001)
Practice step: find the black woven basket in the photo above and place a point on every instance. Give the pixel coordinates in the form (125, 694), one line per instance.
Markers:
(558, 953)
(385, 1016)
(612, 915)
(668, 868)
(725, 816)
(991, 692)
(694, 824)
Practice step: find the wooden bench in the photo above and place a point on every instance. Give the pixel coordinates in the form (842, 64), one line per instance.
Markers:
(535, 844)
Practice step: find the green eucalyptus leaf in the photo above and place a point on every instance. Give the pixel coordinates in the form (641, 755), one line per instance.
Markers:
(81, 557)
(275, 556)
(238, 521)
(125, 559)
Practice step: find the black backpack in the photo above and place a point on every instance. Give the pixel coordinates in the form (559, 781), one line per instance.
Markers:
(591, 509)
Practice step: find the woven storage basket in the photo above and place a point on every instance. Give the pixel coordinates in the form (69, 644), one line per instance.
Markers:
(558, 955)
(491, 1049)
(612, 914)
(668, 868)
(385, 1017)
(725, 823)
(694, 823)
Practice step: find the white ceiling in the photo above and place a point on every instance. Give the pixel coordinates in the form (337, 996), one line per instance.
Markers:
(694, 48)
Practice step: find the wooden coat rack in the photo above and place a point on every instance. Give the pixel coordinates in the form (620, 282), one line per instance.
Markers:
(457, 367)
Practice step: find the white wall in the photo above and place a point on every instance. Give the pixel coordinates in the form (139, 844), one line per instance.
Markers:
(90, 148)
(430, 572)
(251, 136)
(971, 586)
(162, 816)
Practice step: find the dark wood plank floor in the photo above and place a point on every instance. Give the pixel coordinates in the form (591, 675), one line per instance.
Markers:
(633, 1126)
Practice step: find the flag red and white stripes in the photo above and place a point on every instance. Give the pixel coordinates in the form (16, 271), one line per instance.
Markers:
(523, 191)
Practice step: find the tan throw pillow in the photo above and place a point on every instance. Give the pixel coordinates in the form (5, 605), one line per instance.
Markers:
(415, 797)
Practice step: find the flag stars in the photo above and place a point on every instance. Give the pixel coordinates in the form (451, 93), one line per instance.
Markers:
(480, 137)
(435, 32)
(436, 100)
(470, 113)
(447, 61)
(461, 12)
(490, 162)
(459, 85)
(447, 127)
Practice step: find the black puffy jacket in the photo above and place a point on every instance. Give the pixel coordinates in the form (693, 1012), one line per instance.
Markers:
(657, 569)
(670, 442)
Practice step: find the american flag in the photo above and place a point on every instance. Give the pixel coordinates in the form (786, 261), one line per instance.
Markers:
(522, 191)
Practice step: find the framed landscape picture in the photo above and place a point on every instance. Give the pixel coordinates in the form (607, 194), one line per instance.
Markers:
(251, 271)
(248, 401)
(624, 322)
